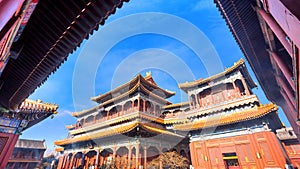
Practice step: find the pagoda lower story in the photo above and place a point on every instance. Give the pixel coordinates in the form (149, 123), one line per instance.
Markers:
(121, 153)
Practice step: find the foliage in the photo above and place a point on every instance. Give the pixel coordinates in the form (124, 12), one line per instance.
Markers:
(171, 160)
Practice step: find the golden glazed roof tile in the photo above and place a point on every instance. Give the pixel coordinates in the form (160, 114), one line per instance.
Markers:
(162, 131)
(138, 79)
(98, 134)
(228, 118)
(59, 149)
(176, 105)
(38, 105)
(112, 131)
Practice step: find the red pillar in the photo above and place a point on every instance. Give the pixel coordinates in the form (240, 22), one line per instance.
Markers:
(286, 14)
(277, 30)
(129, 157)
(245, 86)
(60, 162)
(71, 162)
(132, 105)
(284, 69)
(8, 147)
(137, 152)
(139, 102)
(287, 91)
(145, 157)
(144, 105)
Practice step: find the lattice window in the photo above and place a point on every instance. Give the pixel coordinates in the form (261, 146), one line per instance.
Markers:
(3, 141)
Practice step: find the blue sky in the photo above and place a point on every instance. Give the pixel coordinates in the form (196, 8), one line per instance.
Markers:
(170, 60)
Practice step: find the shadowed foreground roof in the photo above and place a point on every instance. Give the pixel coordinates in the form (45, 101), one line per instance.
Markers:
(56, 28)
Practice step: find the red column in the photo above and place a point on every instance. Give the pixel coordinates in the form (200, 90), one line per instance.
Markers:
(129, 157)
(114, 153)
(60, 162)
(8, 148)
(277, 30)
(137, 152)
(132, 105)
(197, 100)
(287, 91)
(245, 86)
(139, 102)
(97, 159)
(200, 100)
(284, 69)
(144, 105)
(235, 89)
(71, 162)
(64, 161)
(189, 98)
(145, 157)
(286, 14)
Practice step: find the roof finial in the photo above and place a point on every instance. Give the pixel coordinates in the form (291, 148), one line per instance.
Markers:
(148, 74)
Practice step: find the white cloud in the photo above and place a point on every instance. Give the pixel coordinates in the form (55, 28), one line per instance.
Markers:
(63, 113)
(202, 5)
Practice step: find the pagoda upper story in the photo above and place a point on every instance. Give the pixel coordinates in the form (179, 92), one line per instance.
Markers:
(141, 94)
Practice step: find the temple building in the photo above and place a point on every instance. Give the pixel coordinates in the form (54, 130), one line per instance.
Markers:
(222, 125)
(27, 154)
(13, 123)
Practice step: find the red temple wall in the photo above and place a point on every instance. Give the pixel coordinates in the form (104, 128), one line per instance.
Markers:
(258, 150)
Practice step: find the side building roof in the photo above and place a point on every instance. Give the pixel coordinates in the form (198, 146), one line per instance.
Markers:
(238, 66)
(31, 144)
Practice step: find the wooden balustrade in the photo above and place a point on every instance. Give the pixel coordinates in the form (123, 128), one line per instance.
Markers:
(115, 115)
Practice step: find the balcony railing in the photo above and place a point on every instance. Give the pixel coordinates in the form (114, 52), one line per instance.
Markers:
(116, 115)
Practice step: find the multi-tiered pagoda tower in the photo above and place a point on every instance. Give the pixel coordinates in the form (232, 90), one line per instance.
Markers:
(223, 125)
